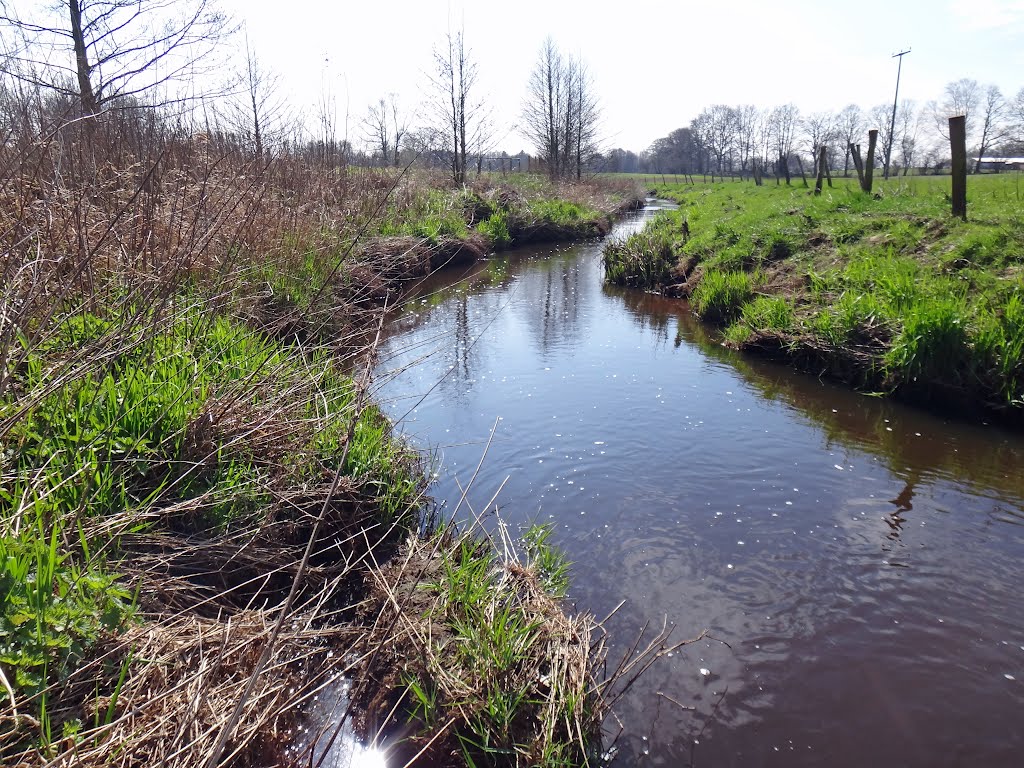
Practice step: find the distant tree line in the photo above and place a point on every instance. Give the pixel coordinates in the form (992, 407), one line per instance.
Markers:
(745, 139)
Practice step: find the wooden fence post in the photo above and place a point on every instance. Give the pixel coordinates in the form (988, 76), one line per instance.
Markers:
(869, 163)
(958, 149)
(821, 169)
(800, 165)
(857, 163)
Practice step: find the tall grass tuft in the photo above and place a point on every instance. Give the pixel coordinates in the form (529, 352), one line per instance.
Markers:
(721, 295)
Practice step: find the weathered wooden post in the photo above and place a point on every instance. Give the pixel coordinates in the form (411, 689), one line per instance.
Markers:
(821, 170)
(800, 165)
(958, 150)
(869, 163)
(857, 163)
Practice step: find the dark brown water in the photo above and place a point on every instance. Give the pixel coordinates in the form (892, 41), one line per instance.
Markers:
(861, 559)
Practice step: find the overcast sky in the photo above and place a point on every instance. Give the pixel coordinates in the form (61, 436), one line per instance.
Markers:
(655, 65)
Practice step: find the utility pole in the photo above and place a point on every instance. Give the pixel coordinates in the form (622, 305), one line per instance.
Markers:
(895, 101)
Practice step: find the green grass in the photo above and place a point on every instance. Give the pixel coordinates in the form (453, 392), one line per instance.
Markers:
(930, 302)
(495, 667)
(521, 203)
(644, 260)
(186, 425)
(496, 228)
(433, 214)
(55, 604)
(723, 295)
(561, 212)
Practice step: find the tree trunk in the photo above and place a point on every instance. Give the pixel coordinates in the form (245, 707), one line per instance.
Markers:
(88, 98)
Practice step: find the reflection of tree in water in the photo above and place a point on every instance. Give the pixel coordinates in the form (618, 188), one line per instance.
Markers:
(457, 347)
(463, 340)
(649, 310)
(967, 453)
(904, 502)
(549, 300)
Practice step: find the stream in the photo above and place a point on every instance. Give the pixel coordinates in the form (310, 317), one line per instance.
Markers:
(857, 561)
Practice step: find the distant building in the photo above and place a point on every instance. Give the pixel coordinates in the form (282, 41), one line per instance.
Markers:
(997, 164)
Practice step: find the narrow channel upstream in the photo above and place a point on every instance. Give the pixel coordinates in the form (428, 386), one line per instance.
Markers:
(861, 559)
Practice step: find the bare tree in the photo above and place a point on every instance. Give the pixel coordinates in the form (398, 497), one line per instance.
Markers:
(748, 121)
(819, 131)
(700, 130)
(676, 153)
(960, 97)
(542, 109)
(102, 50)
(907, 133)
(1017, 110)
(992, 110)
(880, 117)
(717, 125)
(560, 113)
(462, 120)
(849, 126)
(584, 132)
(257, 111)
(384, 129)
(783, 122)
(328, 149)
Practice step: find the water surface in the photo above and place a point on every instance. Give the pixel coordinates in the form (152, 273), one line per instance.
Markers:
(860, 558)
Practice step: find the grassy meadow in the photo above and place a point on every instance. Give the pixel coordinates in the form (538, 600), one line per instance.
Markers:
(198, 500)
(888, 290)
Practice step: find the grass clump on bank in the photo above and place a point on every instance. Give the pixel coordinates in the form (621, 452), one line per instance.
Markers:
(646, 259)
(888, 292)
(487, 665)
(505, 212)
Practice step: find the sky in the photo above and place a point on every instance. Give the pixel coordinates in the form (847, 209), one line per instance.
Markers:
(654, 65)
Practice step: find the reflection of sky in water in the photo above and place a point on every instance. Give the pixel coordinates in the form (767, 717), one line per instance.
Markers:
(859, 557)
(322, 743)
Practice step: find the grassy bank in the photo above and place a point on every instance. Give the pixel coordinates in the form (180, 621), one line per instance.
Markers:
(887, 291)
(197, 499)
